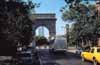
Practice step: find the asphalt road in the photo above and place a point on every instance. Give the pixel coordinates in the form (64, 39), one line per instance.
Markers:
(58, 58)
(47, 58)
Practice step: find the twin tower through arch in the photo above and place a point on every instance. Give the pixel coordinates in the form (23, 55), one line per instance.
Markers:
(47, 20)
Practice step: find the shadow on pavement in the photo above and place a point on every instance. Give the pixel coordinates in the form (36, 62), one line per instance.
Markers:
(66, 55)
(51, 63)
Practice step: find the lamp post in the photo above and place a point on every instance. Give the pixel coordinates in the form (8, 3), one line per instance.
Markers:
(67, 34)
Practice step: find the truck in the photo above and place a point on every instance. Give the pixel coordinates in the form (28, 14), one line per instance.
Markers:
(59, 45)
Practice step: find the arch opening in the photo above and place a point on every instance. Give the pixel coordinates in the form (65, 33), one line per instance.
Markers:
(42, 31)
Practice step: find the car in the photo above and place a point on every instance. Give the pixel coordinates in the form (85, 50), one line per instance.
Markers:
(59, 45)
(92, 55)
(80, 50)
(25, 58)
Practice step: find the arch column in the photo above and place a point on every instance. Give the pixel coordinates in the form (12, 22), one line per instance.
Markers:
(52, 31)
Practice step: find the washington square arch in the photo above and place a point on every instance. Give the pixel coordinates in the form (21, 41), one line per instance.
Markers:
(47, 20)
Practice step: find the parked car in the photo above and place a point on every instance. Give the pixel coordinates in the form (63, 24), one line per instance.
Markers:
(80, 50)
(92, 55)
(25, 58)
(59, 44)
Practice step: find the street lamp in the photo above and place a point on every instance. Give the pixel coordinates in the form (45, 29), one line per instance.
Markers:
(67, 34)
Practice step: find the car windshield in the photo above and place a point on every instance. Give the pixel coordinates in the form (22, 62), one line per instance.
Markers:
(98, 50)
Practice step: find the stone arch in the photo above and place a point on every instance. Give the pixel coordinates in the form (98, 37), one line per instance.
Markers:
(45, 19)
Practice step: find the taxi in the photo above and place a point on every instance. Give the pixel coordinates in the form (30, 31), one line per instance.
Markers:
(92, 55)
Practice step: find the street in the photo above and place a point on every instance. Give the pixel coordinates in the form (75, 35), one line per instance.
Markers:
(32, 33)
(69, 58)
(58, 58)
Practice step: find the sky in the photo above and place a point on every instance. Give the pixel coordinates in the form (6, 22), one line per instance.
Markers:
(52, 6)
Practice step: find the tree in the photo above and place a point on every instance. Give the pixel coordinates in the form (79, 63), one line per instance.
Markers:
(85, 27)
(41, 40)
(15, 25)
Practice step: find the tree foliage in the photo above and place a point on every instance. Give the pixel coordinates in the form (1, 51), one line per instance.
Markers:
(86, 27)
(41, 40)
(15, 25)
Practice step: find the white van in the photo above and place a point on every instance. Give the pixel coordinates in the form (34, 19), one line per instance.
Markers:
(60, 44)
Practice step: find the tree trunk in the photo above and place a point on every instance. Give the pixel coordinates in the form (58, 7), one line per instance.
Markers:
(83, 44)
(98, 42)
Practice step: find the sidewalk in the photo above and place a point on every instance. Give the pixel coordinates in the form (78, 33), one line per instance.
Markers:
(71, 49)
